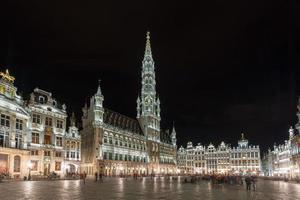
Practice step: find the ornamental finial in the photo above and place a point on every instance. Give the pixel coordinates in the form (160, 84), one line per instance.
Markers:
(148, 45)
(99, 88)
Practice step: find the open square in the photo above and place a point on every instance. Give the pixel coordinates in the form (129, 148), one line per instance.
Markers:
(146, 188)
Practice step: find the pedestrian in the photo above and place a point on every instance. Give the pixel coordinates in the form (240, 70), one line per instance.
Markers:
(100, 177)
(84, 177)
(96, 176)
(248, 183)
(253, 181)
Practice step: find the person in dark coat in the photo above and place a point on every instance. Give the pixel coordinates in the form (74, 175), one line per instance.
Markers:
(248, 183)
(96, 176)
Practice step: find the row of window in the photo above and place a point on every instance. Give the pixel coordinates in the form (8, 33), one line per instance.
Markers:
(58, 154)
(36, 118)
(5, 121)
(121, 157)
(243, 162)
(72, 154)
(35, 163)
(72, 145)
(125, 143)
(35, 138)
(233, 155)
(249, 155)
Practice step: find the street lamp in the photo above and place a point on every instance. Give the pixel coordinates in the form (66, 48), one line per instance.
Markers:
(29, 165)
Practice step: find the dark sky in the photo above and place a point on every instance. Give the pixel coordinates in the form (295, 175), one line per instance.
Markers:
(222, 67)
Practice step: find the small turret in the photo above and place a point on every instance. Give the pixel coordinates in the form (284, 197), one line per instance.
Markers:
(291, 133)
(73, 120)
(138, 109)
(173, 136)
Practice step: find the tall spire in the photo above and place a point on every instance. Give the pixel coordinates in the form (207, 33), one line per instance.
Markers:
(148, 105)
(99, 88)
(148, 93)
(148, 46)
(173, 130)
(173, 135)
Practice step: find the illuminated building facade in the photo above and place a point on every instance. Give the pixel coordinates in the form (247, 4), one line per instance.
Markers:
(222, 159)
(72, 147)
(14, 125)
(245, 158)
(181, 160)
(199, 159)
(284, 159)
(47, 129)
(33, 136)
(279, 160)
(295, 147)
(115, 144)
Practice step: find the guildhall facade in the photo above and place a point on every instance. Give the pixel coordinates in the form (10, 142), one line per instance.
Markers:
(222, 159)
(33, 137)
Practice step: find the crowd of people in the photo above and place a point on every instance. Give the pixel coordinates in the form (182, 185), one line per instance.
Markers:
(250, 181)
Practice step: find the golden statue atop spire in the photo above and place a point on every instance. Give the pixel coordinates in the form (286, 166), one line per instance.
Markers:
(7, 77)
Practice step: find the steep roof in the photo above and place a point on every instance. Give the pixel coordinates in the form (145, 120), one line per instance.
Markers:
(121, 121)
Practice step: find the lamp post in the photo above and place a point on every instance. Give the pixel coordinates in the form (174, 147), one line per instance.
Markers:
(29, 170)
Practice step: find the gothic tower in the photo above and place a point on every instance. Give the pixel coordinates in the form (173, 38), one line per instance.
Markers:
(148, 104)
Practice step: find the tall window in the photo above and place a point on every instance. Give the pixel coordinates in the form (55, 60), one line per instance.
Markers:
(4, 139)
(41, 99)
(57, 166)
(34, 164)
(36, 118)
(59, 141)
(58, 154)
(72, 154)
(18, 139)
(19, 124)
(48, 121)
(72, 145)
(5, 120)
(35, 138)
(17, 163)
(59, 124)
(34, 152)
(46, 153)
(47, 139)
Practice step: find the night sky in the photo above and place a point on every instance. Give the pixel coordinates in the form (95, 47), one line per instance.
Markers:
(222, 67)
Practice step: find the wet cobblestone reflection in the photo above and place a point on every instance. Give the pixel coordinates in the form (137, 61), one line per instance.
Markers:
(158, 188)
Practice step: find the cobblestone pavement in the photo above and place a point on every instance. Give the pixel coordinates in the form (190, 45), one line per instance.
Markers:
(159, 188)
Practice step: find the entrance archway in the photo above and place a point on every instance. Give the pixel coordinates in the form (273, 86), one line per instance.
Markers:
(71, 168)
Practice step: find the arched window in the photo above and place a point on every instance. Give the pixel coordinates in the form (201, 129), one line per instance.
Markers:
(17, 163)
